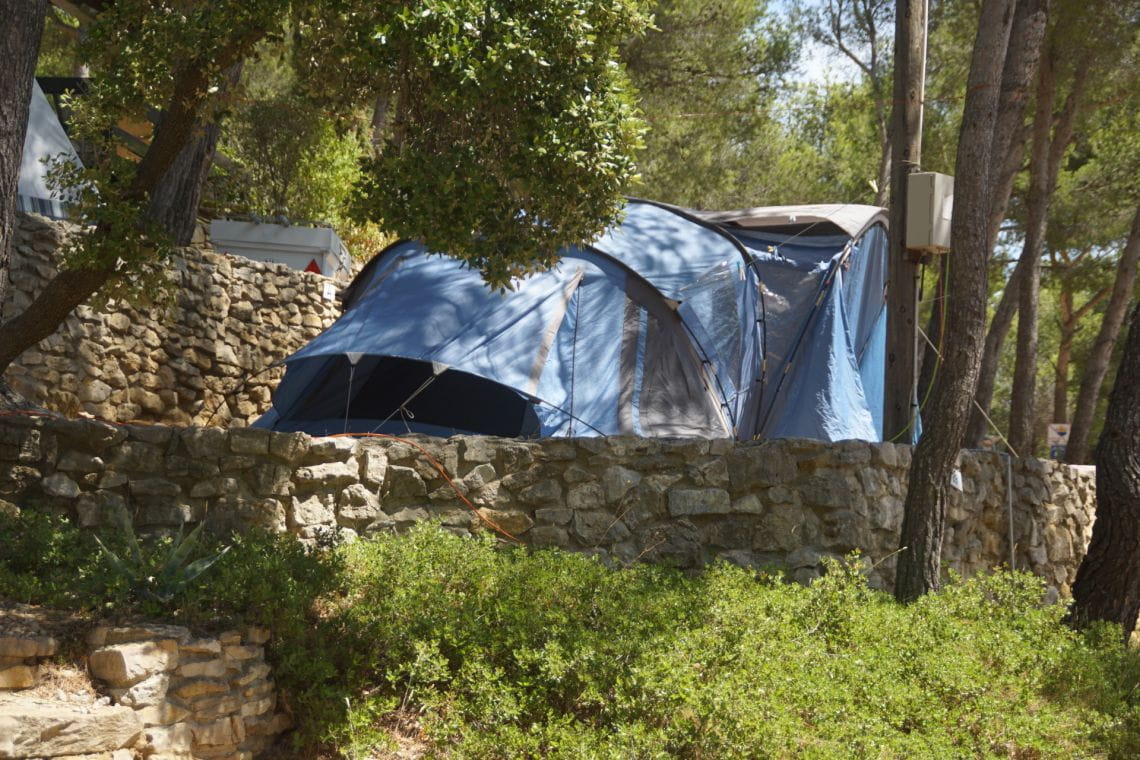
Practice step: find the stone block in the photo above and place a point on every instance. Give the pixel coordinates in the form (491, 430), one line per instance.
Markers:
(515, 523)
(767, 463)
(123, 665)
(358, 504)
(18, 677)
(827, 487)
(241, 652)
(542, 493)
(176, 738)
(163, 713)
(480, 475)
(43, 729)
(133, 456)
(216, 732)
(253, 441)
(314, 509)
(748, 505)
(27, 646)
(290, 447)
(554, 516)
(81, 462)
(616, 482)
(212, 668)
(548, 535)
(586, 497)
(330, 450)
(149, 691)
(699, 501)
(373, 466)
(199, 687)
(595, 527)
(60, 486)
(403, 482)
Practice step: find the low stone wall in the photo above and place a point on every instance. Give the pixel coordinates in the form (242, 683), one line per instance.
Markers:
(787, 503)
(203, 363)
(167, 695)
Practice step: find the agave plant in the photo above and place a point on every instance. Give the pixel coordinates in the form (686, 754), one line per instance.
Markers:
(174, 572)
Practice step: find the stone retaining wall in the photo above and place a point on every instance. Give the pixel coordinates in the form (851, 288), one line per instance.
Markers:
(203, 363)
(167, 695)
(781, 502)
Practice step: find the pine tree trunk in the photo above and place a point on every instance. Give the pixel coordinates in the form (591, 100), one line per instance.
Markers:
(20, 31)
(1064, 357)
(1023, 396)
(1108, 581)
(991, 355)
(1022, 61)
(1096, 366)
(919, 564)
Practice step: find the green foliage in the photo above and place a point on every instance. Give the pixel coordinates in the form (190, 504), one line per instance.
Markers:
(506, 652)
(294, 160)
(510, 130)
(509, 653)
(163, 575)
(706, 75)
(46, 560)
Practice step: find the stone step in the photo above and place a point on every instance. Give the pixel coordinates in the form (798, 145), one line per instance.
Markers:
(32, 728)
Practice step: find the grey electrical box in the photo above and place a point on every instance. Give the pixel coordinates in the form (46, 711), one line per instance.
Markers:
(929, 206)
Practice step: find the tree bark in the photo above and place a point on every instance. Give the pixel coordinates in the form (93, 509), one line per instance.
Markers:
(20, 35)
(1096, 366)
(70, 288)
(174, 203)
(1064, 357)
(900, 405)
(1108, 581)
(1024, 392)
(1021, 64)
(928, 367)
(919, 564)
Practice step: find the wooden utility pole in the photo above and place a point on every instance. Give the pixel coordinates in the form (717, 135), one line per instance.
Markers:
(900, 401)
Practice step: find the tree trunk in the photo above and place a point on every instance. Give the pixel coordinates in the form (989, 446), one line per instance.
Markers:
(70, 288)
(1022, 411)
(919, 564)
(174, 203)
(19, 47)
(991, 354)
(1108, 581)
(1064, 356)
(1096, 367)
(929, 366)
(1021, 63)
(903, 155)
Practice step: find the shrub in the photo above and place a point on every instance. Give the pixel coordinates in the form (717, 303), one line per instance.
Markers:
(506, 652)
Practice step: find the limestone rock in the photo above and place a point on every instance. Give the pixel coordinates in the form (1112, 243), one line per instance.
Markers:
(699, 501)
(123, 665)
(35, 729)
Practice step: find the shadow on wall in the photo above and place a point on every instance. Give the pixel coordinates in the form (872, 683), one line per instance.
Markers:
(205, 362)
(788, 502)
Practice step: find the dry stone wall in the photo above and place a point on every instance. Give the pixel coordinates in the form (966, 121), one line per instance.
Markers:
(204, 362)
(166, 695)
(786, 503)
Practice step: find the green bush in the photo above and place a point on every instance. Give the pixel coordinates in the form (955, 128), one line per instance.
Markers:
(508, 652)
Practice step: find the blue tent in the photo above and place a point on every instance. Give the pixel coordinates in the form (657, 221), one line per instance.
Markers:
(670, 324)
